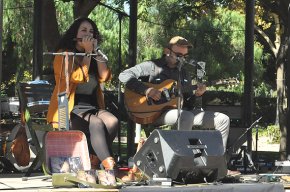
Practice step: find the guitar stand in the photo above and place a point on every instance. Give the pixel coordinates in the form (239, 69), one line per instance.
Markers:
(6, 166)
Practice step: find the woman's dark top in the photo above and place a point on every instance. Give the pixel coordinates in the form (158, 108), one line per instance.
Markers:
(86, 93)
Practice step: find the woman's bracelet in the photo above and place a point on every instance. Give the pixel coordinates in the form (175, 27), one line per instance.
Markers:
(100, 59)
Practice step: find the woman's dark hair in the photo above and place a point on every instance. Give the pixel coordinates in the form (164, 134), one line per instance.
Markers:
(67, 41)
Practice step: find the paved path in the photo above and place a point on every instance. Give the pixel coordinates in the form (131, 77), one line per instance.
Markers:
(35, 183)
(14, 182)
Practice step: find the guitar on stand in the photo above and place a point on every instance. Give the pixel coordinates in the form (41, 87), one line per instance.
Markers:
(200, 73)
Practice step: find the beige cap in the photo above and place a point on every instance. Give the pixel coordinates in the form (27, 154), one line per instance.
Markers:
(180, 41)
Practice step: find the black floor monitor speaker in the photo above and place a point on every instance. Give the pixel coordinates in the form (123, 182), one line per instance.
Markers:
(186, 156)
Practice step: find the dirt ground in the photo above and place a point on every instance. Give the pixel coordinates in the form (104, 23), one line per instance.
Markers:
(264, 145)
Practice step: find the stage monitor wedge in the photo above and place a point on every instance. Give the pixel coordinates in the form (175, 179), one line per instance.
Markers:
(188, 156)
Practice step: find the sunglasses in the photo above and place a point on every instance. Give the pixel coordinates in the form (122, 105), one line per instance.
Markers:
(179, 54)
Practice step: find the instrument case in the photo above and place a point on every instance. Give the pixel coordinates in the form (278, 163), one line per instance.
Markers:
(72, 143)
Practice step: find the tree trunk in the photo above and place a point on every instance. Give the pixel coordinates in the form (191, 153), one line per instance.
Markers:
(282, 100)
(82, 8)
(281, 110)
(50, 26)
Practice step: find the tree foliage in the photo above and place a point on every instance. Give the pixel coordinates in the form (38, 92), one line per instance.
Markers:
(272, 32)
(17, 42)
(216, 33)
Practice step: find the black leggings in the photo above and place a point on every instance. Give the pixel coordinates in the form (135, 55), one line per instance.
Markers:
(100, 128)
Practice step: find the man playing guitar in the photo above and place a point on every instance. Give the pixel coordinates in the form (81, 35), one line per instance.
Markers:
(158, 71)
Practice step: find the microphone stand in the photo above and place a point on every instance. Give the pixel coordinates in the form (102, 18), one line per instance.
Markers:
(120, 97)
(244, 148)
(236, 141)
(179, 94)
(181, 62)
(121, 15)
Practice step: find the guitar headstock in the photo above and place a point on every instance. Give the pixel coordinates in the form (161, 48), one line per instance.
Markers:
(200, 70)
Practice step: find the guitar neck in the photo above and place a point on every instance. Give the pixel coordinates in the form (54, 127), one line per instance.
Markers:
(189, 88)
(198, 102)
(200, 75)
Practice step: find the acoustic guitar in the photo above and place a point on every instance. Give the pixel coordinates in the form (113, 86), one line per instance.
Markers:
(145, 111)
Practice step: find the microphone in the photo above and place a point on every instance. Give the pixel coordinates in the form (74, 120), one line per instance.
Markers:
(198, 64)
(180, 61)
(98, 50)
(192, 62)
(200, 67)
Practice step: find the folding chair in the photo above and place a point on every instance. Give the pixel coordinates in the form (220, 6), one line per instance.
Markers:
(34, 98)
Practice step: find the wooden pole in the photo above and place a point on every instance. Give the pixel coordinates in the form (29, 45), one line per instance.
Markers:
(1, 40)
(249, 67)
(132, 62)
(37, 40)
